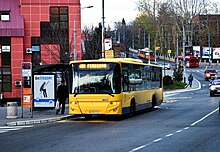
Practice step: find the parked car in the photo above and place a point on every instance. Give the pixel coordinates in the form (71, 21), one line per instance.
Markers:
(210, 72)
(165, 65)
(214, 88)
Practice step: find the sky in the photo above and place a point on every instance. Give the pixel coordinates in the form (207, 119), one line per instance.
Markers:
(114, 11)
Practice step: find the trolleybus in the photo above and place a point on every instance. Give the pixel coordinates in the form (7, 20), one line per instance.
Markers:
(191, 61)
(113, 86)
(146, 54)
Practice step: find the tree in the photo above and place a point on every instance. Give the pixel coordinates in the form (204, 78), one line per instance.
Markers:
(93, 42)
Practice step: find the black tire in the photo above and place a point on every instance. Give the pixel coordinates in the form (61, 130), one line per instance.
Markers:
(211, 94)
(153, 103)
(132, 108)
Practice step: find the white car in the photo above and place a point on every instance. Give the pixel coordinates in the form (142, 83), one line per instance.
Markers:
(214, 88)
(165, 65)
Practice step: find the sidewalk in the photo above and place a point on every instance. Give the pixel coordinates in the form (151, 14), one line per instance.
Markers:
(45, 115)
(196, 85)
(39, 116)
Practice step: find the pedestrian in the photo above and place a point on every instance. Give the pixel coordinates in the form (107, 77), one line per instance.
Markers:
(62, 95)
(190, 79)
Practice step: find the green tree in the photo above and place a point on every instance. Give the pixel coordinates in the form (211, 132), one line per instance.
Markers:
(178, 73)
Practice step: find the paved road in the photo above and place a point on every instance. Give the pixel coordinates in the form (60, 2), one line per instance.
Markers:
(186, 121)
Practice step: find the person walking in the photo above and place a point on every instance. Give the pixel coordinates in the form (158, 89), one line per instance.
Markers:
(62, 95)
(190, 79)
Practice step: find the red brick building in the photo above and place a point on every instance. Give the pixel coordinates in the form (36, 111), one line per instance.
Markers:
(37, 31)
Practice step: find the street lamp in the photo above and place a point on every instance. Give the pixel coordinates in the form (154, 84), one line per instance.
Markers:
(103, 31)
(184, 55)
(74, 31)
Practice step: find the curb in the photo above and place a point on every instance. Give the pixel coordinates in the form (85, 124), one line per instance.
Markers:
(36, 121)
(184, 90)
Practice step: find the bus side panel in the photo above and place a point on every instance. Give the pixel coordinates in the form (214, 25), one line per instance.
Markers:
(143, 99)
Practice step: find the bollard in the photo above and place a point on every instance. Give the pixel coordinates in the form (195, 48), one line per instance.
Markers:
(12, 110)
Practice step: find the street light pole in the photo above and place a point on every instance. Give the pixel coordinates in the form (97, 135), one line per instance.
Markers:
(209, 48)
(74, 32)
(184, 55)
(103, 30)
(177, 50)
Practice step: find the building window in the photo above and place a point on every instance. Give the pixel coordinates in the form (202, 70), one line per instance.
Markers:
(5, 70)
(59, 17)
(5, 16)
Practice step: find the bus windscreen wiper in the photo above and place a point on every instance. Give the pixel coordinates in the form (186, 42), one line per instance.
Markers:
(111, 95)
(75, 94)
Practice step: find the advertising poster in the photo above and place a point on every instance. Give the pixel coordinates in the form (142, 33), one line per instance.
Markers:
(216, 53)
(196, 51)
(44, 91)
(205, 52)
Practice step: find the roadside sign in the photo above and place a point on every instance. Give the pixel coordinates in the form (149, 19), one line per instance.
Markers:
(26, 101)
(109, 54)
(169, 51)
(26, 71)
(26, 87)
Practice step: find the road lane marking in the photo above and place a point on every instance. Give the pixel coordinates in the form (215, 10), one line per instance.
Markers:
(171, 134)
(193, 124)
(156, 140)
(178, 131)
(186, 128)
(4, 129)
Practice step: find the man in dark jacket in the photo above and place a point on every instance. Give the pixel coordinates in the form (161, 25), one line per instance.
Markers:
(62, 95)
(190, 79)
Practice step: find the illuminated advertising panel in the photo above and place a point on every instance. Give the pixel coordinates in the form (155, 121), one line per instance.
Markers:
(216, 53)
(205, 52)
(44, 90)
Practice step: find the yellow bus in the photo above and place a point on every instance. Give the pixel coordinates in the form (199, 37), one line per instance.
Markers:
(115, 86)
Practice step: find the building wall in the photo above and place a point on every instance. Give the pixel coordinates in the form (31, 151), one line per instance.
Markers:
(36, 11)
(26, 17)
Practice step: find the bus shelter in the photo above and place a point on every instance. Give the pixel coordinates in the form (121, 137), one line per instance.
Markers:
(45, 80)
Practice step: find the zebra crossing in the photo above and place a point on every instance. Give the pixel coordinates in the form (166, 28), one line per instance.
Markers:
(195, 70)
(4, 129)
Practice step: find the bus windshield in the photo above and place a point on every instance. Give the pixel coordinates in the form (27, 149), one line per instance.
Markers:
(96, 78)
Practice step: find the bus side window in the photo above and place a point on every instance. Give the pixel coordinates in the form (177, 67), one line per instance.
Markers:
(125, 82)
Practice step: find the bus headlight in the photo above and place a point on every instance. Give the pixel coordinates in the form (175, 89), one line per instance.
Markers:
(74, 102)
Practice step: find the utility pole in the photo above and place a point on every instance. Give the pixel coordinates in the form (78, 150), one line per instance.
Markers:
(149, 47)
(144, 38)
(177, 50)
(103, 31)
(184, 55)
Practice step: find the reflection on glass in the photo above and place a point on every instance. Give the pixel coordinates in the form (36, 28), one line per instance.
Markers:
(95, 80)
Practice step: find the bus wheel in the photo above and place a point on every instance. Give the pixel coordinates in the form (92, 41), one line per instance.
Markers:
(153, 103)
(132, 108)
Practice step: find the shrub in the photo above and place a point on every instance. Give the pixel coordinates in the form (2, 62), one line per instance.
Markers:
(167, 79)
(178, 74)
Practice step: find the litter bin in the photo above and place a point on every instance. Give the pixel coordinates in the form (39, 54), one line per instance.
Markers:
(12, 110)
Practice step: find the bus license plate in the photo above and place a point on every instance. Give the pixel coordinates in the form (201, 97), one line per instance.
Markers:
(93, 111)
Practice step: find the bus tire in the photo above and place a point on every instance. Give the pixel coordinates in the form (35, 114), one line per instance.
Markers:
(132, 108)
(153, 103)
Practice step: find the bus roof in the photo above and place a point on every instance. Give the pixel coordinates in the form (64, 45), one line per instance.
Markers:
(116, 60)
(111, 60)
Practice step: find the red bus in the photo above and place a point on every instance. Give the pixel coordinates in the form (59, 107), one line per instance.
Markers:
(191, 61)
(146, 54)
